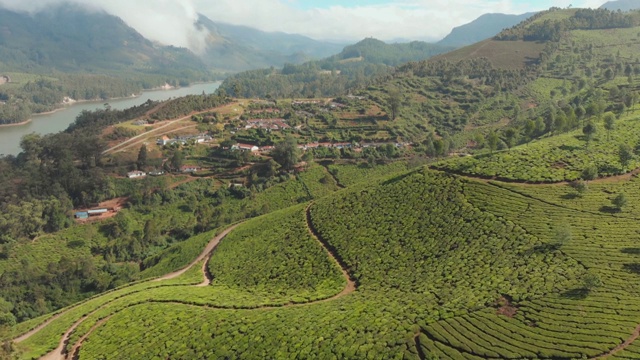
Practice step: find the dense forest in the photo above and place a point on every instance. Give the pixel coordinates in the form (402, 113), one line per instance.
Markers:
(583, 19)
(56, 173)
(355, 67)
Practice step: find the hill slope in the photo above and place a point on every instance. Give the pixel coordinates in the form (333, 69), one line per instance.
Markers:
(69, 39)
(233, 48)
(484, 27)
(355, 66)
(623, 5)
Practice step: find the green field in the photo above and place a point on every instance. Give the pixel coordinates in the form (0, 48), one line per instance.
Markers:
(403, 242)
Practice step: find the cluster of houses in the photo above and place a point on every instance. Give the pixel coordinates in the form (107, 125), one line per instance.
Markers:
(340, 145)
(267, 124)
(187, 169)
(183, 140)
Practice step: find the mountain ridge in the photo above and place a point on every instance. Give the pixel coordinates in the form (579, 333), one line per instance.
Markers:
(482, 28)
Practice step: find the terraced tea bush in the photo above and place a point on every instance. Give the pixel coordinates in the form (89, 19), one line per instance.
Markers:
(554, 159)
(417, 233)
(349, 174)
(276, 254)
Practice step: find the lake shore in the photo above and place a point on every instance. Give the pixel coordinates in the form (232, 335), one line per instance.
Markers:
(26, 122)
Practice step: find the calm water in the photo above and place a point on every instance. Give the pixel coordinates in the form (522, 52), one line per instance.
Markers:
(44, 124)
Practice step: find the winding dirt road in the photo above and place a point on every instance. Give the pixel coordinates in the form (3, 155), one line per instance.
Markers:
(204, 254)
(60, 354)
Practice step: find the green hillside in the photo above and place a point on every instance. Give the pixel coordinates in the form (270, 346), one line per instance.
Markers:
(71, 52)
(356, 66)
(453, 270)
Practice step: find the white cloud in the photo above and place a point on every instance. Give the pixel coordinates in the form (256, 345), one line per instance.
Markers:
(172, 21)
(408, 19)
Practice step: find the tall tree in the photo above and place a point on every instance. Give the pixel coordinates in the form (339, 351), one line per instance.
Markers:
(177, 160)
(286, 153)
(625, 154)
(142, 157)
(492, 141)
(395, 102)
(589, 130)
(609, 123)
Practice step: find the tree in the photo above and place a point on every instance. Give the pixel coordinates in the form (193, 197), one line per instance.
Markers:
(591, 281)
(609, 123)
(625, 154)
(590, 173)
(580, 186)
(395, 102)
(511, 136)
(286, 153)
(563, 235)
(589, 130)
(619, 201)
(492, 141)
(142, 157)
(177, 160)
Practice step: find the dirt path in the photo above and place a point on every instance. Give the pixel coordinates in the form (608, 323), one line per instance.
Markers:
(351, 284)
(144, 134)
(33, 331)
(59, 352)
(153, 131)
(144, 139)
(622, 346)
(74, 353)
(205, 253)
(603, 180)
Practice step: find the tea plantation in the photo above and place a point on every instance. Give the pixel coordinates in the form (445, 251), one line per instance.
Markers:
(442, 267)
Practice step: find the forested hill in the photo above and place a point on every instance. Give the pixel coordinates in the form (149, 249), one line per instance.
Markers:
(68, 51)
(356, 66)
(233, 48)
(623, 5)
(68, 38)
(484, 27)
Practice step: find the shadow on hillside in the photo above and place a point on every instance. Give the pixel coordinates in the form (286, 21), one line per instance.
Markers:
(576, 294)
(570, 196)
(609, 209)
(570, 148)
(608, 169)
(632, 251)
(546, 248)
(633, 268)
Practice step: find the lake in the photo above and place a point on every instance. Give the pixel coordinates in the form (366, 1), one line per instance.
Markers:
(51, 123)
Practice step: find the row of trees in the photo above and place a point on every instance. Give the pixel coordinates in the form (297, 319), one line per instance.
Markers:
(552, 30)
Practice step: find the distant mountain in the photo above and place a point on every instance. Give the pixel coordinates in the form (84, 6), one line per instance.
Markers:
(233, 48)
(356, 66)
(374, 51)
(69, 39)
(484, 27)
(623, 5)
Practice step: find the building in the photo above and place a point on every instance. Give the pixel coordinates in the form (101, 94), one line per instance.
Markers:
(188, 169)
(156, 173)
(164, 141)
(245, 147)
(97, 212)
(82, 215)
(136, 174)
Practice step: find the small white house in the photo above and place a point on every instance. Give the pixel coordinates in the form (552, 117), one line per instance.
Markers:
(245, 147)
(136, 174)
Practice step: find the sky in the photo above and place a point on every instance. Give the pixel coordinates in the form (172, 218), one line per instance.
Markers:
(171, 22)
